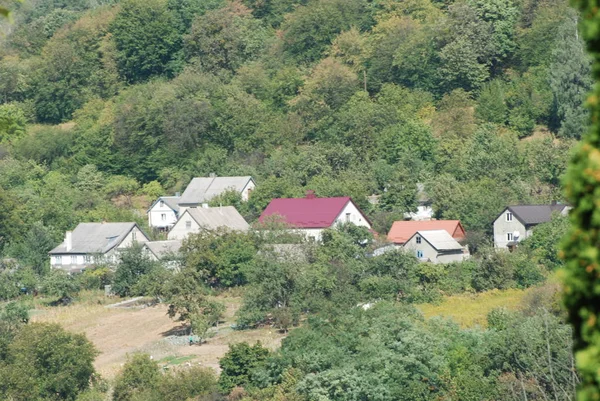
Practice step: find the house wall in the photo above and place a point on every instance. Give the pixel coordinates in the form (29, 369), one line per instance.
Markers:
(503, 227)
(155, 216)
(250, 186)
(134, 235)
(429, 252)
(179, 230)
(451, 256)
(351, 214)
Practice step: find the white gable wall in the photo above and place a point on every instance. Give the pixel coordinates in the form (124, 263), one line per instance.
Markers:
(502, 228)
(351, 214)
(180, 230)
(250, 186)
(161, 216)
(429, 253)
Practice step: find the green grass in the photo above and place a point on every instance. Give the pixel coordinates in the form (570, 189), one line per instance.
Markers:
(173, 360)
(469, 310)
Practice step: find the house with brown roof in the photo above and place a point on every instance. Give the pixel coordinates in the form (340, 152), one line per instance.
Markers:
(311, 215)
(402, 231)
(516, 223)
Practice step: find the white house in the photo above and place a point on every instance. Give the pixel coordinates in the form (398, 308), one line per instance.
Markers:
(193, 220)
(311, 215)
(164, 212)
(202, 189)
(436, 246)
(516, 223)
(92, 243)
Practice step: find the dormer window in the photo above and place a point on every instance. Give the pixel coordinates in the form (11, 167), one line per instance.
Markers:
(418, 239)
(509, 216)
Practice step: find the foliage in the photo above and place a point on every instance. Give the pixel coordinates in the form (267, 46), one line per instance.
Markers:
(44, 362)
(140, 373)
(580, 252)
(237, 364)
(134, 264)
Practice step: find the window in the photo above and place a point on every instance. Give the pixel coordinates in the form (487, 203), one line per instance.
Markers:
(509, 216)
(133, 235)
(87, 259)
(73, 259)
(509, 236)
(58, 259)
(419, 254)
(188, 225)
(347, 216)
(163, 216)
(162, 203)
(418, 240)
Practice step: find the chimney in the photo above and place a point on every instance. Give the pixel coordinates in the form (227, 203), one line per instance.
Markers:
(310, 194)
(69, 240)
(205, 205)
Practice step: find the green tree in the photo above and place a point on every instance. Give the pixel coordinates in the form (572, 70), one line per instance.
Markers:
(238, 363)
(47, 362)
(12, 122)
(139, 374)
(134, 264)
(146, 39)
(570, 80)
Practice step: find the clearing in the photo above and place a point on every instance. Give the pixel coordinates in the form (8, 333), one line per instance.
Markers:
(469, 310)
(117, 332)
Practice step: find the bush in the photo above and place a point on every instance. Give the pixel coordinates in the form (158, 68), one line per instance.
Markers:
(238, 363)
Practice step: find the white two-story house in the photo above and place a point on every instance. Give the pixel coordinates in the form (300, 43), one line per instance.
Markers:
(164, 212)
(516, 223)
(93, 243)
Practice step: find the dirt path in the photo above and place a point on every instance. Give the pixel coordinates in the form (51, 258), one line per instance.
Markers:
(117, 332)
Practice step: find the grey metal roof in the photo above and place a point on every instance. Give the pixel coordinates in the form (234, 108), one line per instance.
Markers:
(215, 217)
(95, 238)
(171, 201)
(203, 189)
(163, 248)
(440, 240)
(535, 214)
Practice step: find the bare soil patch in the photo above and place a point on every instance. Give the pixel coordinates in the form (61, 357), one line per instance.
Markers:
(117, 332)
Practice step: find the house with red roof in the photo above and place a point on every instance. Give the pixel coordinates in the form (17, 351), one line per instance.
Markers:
(402, 231)
(311, 215)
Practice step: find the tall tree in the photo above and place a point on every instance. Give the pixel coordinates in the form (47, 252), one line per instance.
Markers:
(570, 80)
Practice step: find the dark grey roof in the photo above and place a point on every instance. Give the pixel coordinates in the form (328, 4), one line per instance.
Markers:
(171, 201)
(163, 248)
(96, 238)
(215, 217)
(203, 189)
(536, 214)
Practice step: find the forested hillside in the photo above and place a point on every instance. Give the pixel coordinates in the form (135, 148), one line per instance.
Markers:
(102, 100)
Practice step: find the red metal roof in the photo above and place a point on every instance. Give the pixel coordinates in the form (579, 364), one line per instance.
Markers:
(401, 231)
(306, 212)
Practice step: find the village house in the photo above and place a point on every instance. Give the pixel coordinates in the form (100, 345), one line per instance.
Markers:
(163, 213)
(93, 243)
(424, 209)
(202, 189)
(194, 220)
(166, 251)
(436, 246)
(402, 231)
(311, 215)
(516, 223)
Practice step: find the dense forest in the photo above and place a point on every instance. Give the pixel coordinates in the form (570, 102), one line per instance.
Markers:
(105, 105)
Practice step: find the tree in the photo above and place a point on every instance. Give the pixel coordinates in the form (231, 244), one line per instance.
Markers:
(580, 250)
(46, 362)
(133, 265)
(570, 80)
(12, 123)
(237, 364)
(146, 39)
(60, 285)
(139, 374)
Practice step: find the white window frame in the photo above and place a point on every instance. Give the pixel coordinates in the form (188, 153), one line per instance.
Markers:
(420, 254)
(58, 259)
(134, 235)
(87, 259)
(348, 216)
(163, 216)
(162, 203)
(418, 239)
(509, 216)
(188, 225)
(509, 237)
(73, 259)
